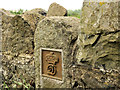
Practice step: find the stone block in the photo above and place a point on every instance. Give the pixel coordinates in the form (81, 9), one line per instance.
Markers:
(99, 38)
(56, 33)
(56, 10)
(34, 16)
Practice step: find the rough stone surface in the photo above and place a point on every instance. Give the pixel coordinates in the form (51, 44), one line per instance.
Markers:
(18, 69)
(84, 76)
(34, 16)
(99, 36)
(5, 11)
(90, 47)
(95, 61)
(17, 35)
(56, 33)
(18, 45)
(37, 11)
(56, 10)
(0, 50)
(17, 49)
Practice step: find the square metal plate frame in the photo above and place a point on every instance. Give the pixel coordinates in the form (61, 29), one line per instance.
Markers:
(42, 76)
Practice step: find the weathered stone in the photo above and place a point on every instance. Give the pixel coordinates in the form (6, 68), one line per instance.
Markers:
(87, 77)
(5, 12)
(34, 16)
(17, 41)
(17, 36)
(37, 11)
(90, 48)
(17, 69)
(99, 36)
(56, 33)
(56, 10)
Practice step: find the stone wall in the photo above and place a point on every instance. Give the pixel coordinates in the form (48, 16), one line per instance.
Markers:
(90, 47)
(98, 46)
(18, 46)
(56, 33)
(99, 37)
(94, 54)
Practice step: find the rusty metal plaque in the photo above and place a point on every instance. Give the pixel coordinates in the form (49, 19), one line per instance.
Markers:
(51, 63)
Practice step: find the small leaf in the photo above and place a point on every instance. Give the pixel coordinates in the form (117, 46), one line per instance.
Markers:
(20, 83)
(29, 85)
(25, 86)
(23, 81)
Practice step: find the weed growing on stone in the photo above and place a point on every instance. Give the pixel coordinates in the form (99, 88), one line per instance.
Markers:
(23, 84)
(20, 11)
(5, 86)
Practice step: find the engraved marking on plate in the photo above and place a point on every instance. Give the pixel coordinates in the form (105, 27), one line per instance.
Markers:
(52, 64)
(52, 60)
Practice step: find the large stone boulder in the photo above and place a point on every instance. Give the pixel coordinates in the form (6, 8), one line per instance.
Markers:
(99, 36)
(84, 76)
(56, 10)
(34, 16)
(17, 35)
(37, 11)
(17, 50)
(98, 46)
(18, 45)
(56, 33)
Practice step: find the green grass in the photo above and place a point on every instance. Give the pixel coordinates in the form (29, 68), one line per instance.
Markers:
(24, 84)
(74, 13)
(20, 11)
